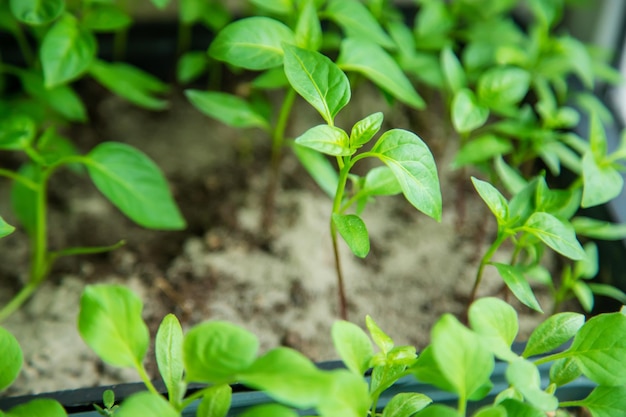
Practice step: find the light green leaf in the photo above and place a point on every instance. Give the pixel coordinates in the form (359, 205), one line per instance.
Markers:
(134, 184)
(605, 401)
(146, 404)
(12, 358)
(482, 149)
(319, 167)
(308, 32)
(599, 349)
(110, 323)
(169, 357)
(227, 108)
(318, 80)
(40, 407)
(215, 402)
(579, 58)
(269, 410)
(453, 71)
(371, 61)
(365, 129)
(503, 86)
(357, 21)
(584, 295)
(280, 7)
(438, 410)
(405, 404)
(131, 83)
(102, 17)
(352, 229)
(513, 181)
(414, 167)
(380, 338)
(5, 230)
(36, 12)
(216, 351)
(326, 139)
(552, 333)
(524, 376)
(353, 346)
(607, 290)
(491, 411)
(467, 113)
(564, 371)
(494, 199)
(515, 408)
(601, 183)
(62, 98)
(253, 43)
(345, 394)
(496, 322)
(516, 282)
(460, 356)
(598, 229)
(555, 233)
(67, 50)
(190, 66)
(380, 181)
(17, 132)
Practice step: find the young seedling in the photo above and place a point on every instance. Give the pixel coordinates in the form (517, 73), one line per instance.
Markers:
(108, 401)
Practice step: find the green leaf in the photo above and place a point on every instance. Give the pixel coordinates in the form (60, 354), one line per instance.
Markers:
(308, 32)
(491, 411)
(253, 43)
(453, 71)
(287, 376)
(110, 323)
(134, 184)
(62, 98)
(365, 129)
(598, 229)
(605, 401)
(215, 402)
(579, 58)
(53, 147)
(555, 233)
(371, 61)
(584, 295)
(552, 333)
(503, 86)
(169, 357)
(102, 17)
(40, 407)
(467, 114)
(131, 83)
(414, 167)
(353, 346)
(146, 404)
(494, 199)
(515, 408)
(564, 371)
(516, 282)
(5, 230)
(24, 199)
(405, 404)
(160, 4)
(345, 394)
(352, 229)
(326, 139)
(380, 338)
(17, 132)
(216, 351)
(482, 149)
(12, 358)
(227, 108)
(608, 291)
(496, 322)
(524, 376)
(269, 410)
(380, 181)
(513, 181)
(357, 22)
(601, 183)
(461, 356)
(438, 410)
(280, 7)
(191, 66)
(319, 167)
(67, 50)
(36, 12)
(318, 80)
(599, 348)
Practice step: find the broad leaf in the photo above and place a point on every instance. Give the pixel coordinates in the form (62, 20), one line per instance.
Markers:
(414, 167)
(352, 229)
(131, 83)
(357, 21)
(345, 394)
(67, 50)
(598, 229)
(319, 167)
(17, 132)
(36, 12)
(601, 182)
(438, 410)
(515, 408)
(40, 407)
(524, 376)
(365, 129)
(371, 61)
(494, 199)
(268, 410)
(516, 282)
(555, 233)
(110, 323)
(318, 80)
(227, 108)
(605, 401)
(102, 17)
(169, 356)
(216, 351)
(564, 371)
(513, 181)
(482, 149)
(405, 404)
(380, 181)
(552, 333)
(380, 338)
(215, 402)
(5, 230)
(308, 32)
(353, 346)
(62, 98)
(280, 7)
(503, 86)
(146, 404)
(134, 184)
(253, 43)
(329, 140)
(491, 411)
(467, 113)
(453, 71)
(191, 65)
(12, 357)
(496, 322)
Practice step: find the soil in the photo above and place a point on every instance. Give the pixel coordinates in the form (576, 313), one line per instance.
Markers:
(282, 289)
